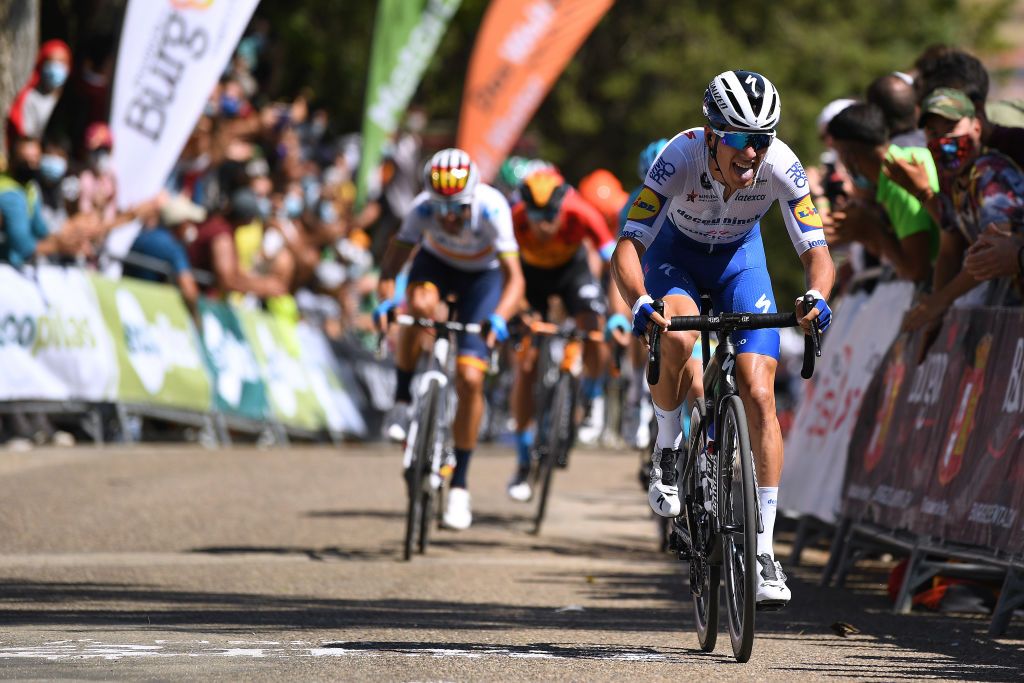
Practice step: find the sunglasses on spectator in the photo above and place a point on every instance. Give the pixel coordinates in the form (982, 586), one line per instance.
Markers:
(451, 208)
(738, 140)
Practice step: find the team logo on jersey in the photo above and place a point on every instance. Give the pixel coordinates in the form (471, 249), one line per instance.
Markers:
(805, 213)
(691, 196)
(661, 171)
(646, 207)
(797, 174)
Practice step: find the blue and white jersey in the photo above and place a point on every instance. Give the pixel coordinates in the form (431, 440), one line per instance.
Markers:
(680, 194)
(483, 238)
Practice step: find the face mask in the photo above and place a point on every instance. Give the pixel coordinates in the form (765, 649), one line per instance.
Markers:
(264, 205)
(52, 168)
(328, 214)
(191, 232)
(230, 106)
(293, 206)
(54, 74)
(102, 161)
(861, 181)
(951, 153)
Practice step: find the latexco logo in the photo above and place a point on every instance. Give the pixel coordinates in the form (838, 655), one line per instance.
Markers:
(156, 348)
(51, 331)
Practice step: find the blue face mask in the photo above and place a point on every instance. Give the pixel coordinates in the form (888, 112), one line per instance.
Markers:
(230, 106)
(52, 168)
(293, 206)
(328, 214)
(54, 73)
(861, 181)
(264, 206)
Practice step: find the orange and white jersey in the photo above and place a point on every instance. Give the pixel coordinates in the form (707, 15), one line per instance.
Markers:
(483, 238)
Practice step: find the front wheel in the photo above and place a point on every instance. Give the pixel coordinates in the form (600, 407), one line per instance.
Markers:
(556, 441)
(417, 476)
(738, 515)
(705, 578)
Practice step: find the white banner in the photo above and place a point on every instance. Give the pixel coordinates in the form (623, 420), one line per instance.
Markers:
(341, 412)
(817, 445)
(172, 54)
(54, 344)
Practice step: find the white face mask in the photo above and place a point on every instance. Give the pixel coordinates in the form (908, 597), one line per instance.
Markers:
(104, 162)
(191, 232)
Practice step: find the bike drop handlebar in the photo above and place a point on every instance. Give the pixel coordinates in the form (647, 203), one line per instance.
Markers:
(731, 322)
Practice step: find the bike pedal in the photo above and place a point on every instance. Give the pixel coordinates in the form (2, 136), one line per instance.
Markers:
(771, 605)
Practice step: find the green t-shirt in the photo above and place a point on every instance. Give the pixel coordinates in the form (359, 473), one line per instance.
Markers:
(906, 214)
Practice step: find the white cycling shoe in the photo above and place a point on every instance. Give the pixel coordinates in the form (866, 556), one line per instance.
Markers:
(457, 514)
(772, 592)
(663, 494)
(519, 487)
(592, 426)
(397, 422)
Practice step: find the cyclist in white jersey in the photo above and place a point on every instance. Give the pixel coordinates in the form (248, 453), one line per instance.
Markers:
(695, 228)
(464, 230)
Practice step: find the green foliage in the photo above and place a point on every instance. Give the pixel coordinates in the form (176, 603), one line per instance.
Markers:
(642, 73)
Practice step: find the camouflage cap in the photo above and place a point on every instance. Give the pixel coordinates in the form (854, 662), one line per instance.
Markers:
(948, 103)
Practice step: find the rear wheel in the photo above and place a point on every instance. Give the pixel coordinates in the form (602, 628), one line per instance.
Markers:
(705, 578)
(738, 513)
(417, 476)
(556, 442)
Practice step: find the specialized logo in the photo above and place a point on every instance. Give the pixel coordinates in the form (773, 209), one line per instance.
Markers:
(764, 304)
(797, 174)
(646, 207)
(805, 213)
(661, 171)
(666, 268)
(752, 82)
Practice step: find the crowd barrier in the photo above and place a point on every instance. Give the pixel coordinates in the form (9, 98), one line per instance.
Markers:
(918, 452)
(68, 337)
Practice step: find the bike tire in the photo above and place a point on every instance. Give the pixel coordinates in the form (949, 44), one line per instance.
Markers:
(556, 439)
(419, 468)
(738, 508)
(705, 604)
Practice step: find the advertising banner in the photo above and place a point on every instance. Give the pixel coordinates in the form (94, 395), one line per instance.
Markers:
(405, 37)
(158, 353)
(817, 444)
(171, 55)
(522, 48)
(276, 348)
(939, 448)
(54, 344)
(237, 382)
(340, 411)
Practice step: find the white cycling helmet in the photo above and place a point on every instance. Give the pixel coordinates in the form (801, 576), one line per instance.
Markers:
(745, 100)
(451, 176)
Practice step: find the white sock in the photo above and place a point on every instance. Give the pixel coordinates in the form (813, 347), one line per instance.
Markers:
(670, 426)
(769, 498)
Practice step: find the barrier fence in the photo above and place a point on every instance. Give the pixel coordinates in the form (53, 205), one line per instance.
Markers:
(71, 336)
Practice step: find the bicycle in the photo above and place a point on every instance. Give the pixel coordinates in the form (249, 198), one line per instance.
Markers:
(720, 519)
(427, 456)
(556, 393)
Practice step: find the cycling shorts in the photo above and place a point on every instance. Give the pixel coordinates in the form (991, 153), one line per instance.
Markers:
(735, 275)
(477, 295)
(573, 283)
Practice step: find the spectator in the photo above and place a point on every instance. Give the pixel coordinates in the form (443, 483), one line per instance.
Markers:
(214, 250)
(894, 94)
(98, 183)
(165, 243)
(35, 102)
(604, 192)
(996, 254)
(24, 234)
(986, 194)
(894, 226)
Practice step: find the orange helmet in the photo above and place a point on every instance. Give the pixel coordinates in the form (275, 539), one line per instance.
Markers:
(543, 192)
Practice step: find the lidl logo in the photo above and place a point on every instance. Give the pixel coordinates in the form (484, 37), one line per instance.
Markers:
(805, 213)
(646, 206)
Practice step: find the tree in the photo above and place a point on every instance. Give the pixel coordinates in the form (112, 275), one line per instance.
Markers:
(19, 42)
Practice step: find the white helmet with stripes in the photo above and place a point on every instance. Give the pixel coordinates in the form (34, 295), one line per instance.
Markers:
(744, 100)
(451, 176)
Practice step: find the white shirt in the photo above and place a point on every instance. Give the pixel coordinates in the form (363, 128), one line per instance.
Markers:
(680, 193)
(484, 237)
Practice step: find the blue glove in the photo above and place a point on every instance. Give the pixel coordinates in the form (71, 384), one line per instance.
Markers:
(825, 313)
(383, 308)
(616, 322)
(499, 326)
(607, 250)
(642, 312)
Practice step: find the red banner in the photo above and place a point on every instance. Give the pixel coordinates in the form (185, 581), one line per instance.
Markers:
(522, 48)
(939, 448)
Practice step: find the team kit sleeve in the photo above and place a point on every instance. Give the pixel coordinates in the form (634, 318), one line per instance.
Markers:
(664, 181)
(411, 231)
(501, 222)
(794, 194)
(595, 228)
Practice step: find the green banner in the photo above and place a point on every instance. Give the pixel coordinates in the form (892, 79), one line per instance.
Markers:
(237, 382)
(405, 37)
(276, 347)
(158, 353)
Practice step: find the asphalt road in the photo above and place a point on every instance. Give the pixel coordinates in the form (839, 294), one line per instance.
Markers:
(174, 563)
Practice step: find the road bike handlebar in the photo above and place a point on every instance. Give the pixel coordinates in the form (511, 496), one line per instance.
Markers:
(731, 322)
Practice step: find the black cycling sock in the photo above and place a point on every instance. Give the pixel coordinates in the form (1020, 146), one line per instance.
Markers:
(403, 394)
(461, 468)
